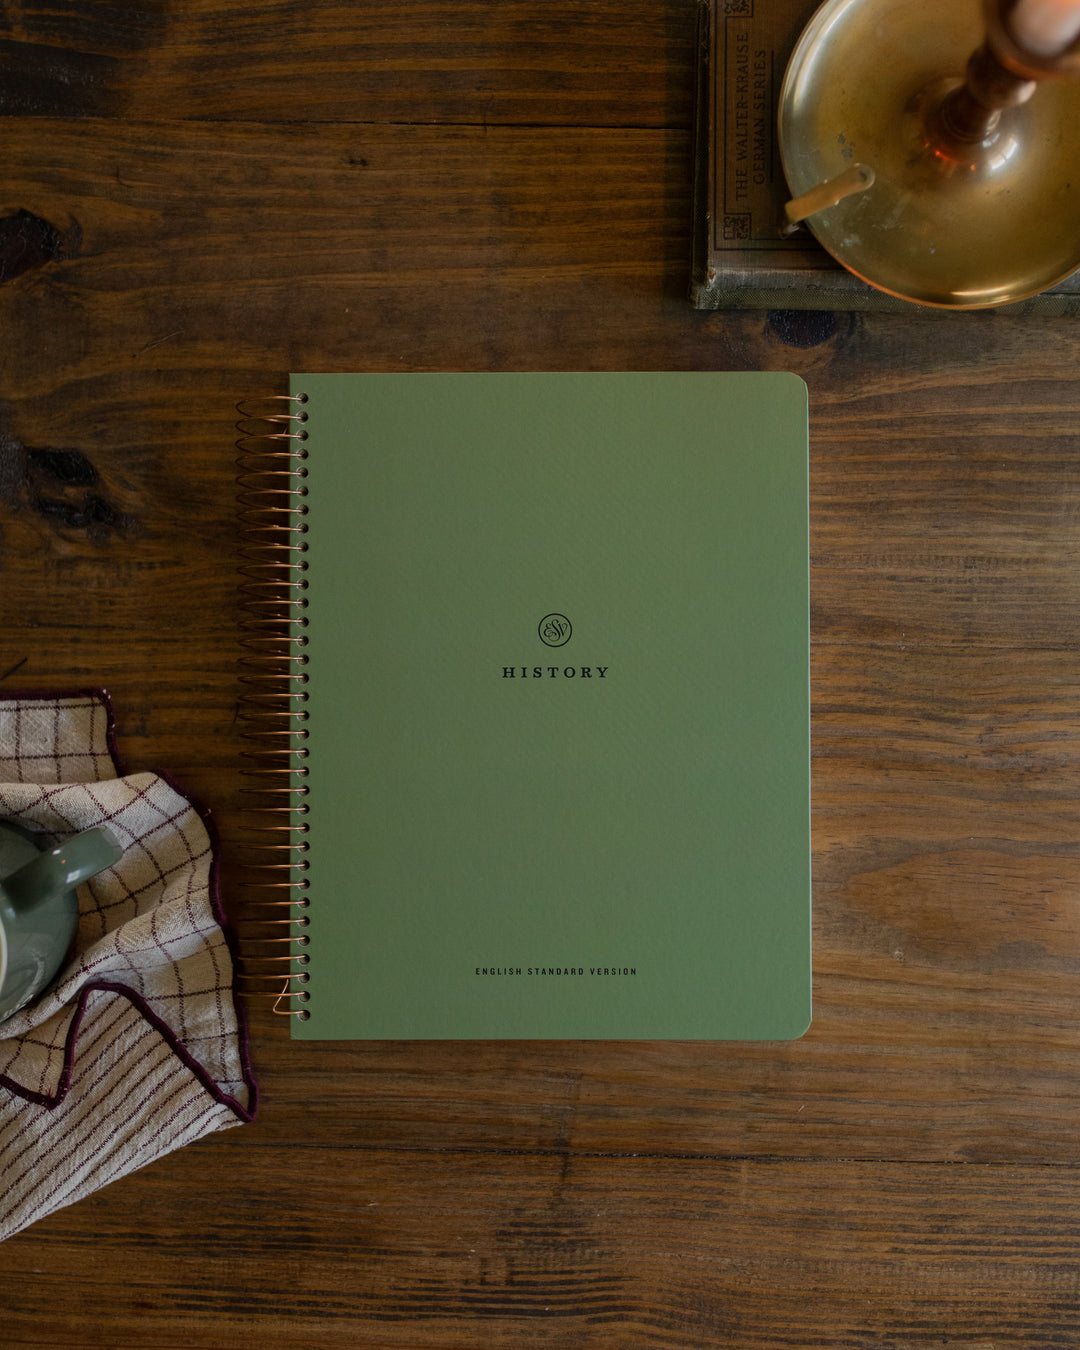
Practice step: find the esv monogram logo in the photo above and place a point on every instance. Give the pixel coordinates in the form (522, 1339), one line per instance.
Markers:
(555, 630)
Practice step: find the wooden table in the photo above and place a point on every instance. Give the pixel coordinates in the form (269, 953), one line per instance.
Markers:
(200, 196)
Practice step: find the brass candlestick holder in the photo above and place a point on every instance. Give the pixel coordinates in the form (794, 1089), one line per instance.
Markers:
(930, 153)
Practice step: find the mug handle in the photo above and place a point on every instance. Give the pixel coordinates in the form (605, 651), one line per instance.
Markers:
(58, 869)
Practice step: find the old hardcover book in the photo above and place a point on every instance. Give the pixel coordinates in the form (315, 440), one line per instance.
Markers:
(556, 743)
(739, 259)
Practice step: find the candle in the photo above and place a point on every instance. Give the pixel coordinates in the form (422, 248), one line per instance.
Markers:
(1045, 27)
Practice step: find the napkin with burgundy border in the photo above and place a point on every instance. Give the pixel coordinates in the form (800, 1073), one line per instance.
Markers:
(139, 1046)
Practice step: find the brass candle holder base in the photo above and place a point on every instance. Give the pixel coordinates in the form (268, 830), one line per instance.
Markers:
(902, 174)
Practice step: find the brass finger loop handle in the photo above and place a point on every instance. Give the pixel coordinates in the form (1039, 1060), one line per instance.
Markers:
(857, 178)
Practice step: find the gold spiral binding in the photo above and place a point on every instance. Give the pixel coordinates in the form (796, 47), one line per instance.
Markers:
(271, 467)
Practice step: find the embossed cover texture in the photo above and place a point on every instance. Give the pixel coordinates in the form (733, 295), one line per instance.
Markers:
(557, 706)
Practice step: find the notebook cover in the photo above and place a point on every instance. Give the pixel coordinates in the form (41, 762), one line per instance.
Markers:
(558, 711)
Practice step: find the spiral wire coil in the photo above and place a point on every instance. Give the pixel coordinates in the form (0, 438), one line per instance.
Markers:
(272, 468)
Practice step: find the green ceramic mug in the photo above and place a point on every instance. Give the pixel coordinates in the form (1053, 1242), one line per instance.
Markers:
(39, 910)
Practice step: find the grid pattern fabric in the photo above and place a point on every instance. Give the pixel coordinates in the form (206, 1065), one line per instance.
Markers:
(138, 1047)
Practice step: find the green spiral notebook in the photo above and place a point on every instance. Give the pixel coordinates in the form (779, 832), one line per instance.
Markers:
(557, 711)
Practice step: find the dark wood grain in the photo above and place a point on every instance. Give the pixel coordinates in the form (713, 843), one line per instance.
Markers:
(198, 199)
(413, 1248)
(568, 62)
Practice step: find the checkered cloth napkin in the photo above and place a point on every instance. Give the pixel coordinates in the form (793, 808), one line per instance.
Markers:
(138, 1048)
